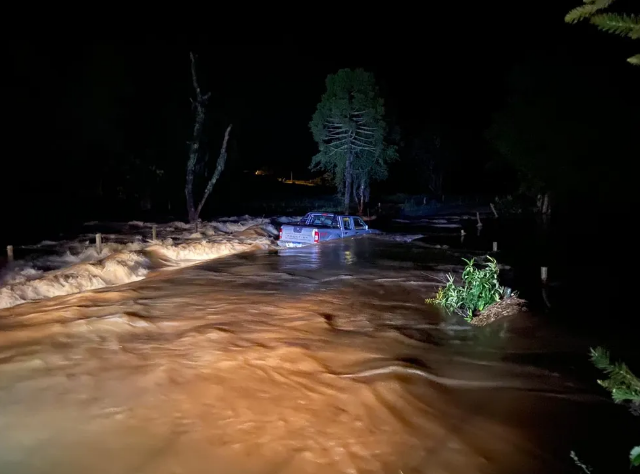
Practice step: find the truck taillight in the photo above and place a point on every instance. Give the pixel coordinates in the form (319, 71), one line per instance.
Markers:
(280, 233)
(316, 236)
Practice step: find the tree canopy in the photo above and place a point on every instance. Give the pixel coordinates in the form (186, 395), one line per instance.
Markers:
(349, 129)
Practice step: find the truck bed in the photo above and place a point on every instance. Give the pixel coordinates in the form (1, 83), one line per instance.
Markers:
(318, 227)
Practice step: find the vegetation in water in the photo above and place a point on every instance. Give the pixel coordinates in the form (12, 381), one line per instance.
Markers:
(480, 288)
(624, 387)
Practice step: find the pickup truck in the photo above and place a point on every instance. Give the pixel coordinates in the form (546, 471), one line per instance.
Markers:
(318, 227)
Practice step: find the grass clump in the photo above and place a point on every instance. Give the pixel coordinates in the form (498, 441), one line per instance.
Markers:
(480, 288)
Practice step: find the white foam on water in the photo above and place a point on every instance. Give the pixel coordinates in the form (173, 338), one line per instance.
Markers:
(26, 270)
(191, 252)
(286, 219)
(116, 269)
(77, 266)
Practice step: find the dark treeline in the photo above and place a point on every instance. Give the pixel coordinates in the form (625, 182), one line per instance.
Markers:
(100, 131)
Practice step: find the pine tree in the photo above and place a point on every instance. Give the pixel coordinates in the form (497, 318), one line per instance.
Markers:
(349, 128)
(622, 24)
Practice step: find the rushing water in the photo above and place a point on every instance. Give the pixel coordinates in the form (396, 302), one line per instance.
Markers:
(322, 359)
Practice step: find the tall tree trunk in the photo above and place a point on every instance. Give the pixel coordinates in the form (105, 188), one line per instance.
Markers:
(194, 148)
(194, 152)
(219, 167)
(355, 190)
(544, 206)
(348, 179)
(360, 185)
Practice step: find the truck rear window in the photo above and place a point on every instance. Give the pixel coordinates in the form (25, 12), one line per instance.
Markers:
(324, 221)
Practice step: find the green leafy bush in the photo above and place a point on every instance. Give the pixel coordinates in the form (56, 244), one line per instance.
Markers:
(480, 288)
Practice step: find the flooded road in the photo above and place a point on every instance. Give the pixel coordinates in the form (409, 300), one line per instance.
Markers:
(322, 359)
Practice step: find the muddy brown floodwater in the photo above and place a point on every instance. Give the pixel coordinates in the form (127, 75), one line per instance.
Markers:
(323, 359)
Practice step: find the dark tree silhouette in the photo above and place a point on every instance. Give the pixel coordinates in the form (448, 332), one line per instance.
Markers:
(195, 152)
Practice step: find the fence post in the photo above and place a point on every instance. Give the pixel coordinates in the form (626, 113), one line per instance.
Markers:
(495, 246)
(99, 244)
(10, 253)
(154, 232)
(493, 208)
(478, 218)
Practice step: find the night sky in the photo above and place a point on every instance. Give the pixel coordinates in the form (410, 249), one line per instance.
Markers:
(82, 112)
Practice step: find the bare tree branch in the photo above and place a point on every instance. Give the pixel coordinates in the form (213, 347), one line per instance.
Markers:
(199, 104)
(219, 167)
(200, 99)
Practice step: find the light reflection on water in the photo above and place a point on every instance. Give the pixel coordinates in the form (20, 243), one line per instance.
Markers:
(321, 359)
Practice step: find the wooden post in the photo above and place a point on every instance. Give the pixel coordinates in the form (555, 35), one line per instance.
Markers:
(495, 246)
(543, 274)
(99, 244)
(10, 253)
(154, 232)
(493, 208)
(478, 218)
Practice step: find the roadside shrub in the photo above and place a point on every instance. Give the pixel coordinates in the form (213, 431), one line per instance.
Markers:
(480, 288)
